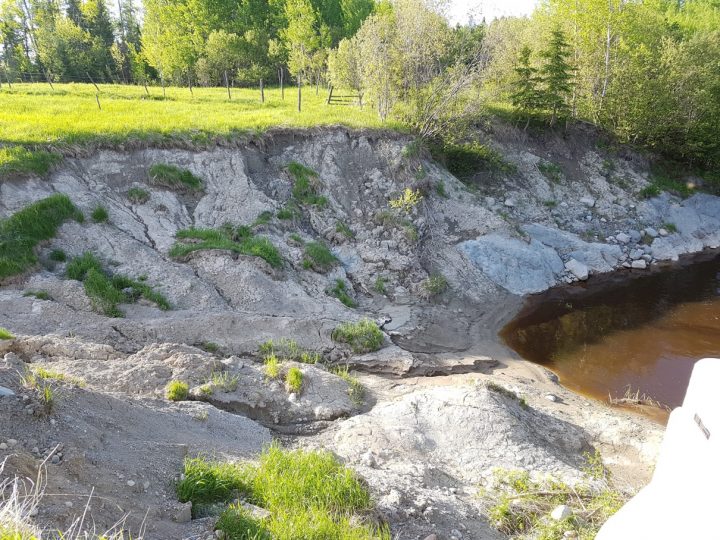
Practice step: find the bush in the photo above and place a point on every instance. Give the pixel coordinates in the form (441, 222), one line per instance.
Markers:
(466, 160)
(24, 230)
(670, 227)
(272, 367)
(318, 257)
(379, 285)
(5, 333)
(173, 177)
(340, 292)
(294, 380)
(551, 171)
(138, 195)
(407, 200)
(100, 214)
(362, 336)
(306, 185)
(177, 391)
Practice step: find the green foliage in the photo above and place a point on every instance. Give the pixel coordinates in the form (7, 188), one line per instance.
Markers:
(238, 240)
(362, 336)
(272, 366)
(551, 171)
(306, 185)
(440, 189)
(519, 506)
(223, 381)
(209, 346)
(263, 218)
(379, 285)
(5, 333)
(100, 214)
(557, 75)
(318, 257)
(648, 192)
(407, 201)
(303, 491)
(297, 239)
(40, 295)
(24, 230)
(670, 227)
(356, 391)
(340, 291)
(527, 96)
(175, 178)
(343, 229)
(435, 285)
(177, 390)
(294, 380)
(290, 211)
(18, 160)
(468, 159)
(58, 255)
(288, 350)
(107, 291)
(138, 195)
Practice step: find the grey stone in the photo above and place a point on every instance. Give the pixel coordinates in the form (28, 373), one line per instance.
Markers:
(6, 392)
(578, 269)
(588, 201)
(561, 512)
(622, 238)
(184, 513)
(639, 264)
(651, 232)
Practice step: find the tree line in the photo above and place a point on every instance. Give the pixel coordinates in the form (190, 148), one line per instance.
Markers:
(646, 70)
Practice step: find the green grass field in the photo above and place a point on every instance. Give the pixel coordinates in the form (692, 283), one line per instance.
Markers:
(38, 117)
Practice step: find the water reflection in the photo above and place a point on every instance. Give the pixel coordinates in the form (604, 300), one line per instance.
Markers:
(645, 333)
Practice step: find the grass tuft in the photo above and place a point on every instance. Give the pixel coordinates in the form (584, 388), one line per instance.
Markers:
(468, 159)
(106, 291)
(306, 185)
(294, 380)
(175, 178)
(5, 333)
(551, 171)
(362, 336)
(340, 291)
(238, 240)
(434, 285)
(356, 390)
(100, 215)
(58, 255)
(272, 366)
(40, 295)
(344, 229)
(318, 257)
(138, 195)
(24, 230)
(177, 391)
(288, 350)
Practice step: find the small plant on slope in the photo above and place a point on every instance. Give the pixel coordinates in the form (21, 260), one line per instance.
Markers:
(238, 240)
(340, 291)
(362, 336)
(177, 391)
(407, 200)
(306, 185)
(173, 177)
(294, 380)
(5, 333)
(138, 195)
(100, 214)
(318, 257)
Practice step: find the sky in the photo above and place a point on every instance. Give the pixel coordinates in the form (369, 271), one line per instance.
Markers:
(461, 10)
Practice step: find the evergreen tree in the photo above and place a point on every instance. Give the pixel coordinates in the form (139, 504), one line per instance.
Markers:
(73, 11)
(557, 75)
(527, 97)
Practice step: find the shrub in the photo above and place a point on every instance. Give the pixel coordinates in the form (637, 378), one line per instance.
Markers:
(407, 200)
(209, 346)
(173, 177)
(100, 214)
(58, 255)
(318, 257)
(340, 291)
(294, 380)
(648, 192)
(5, 333)
(138, 195)
(24, 230)
(379, 285)
(177, 391)
(435, 285)
(670, 227)
(306, 184)
(362, 336)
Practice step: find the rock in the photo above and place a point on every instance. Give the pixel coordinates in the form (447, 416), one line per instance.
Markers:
(3, 446)
(578, 269)
(431, 537)
(55, 460)
(570, 534)
(649, 231)
(661, 232)
(256, 511)
(184, 513)
(552, 397)
(12, 442)
(6, 392)
(636, 254)
(640, 264)
(561, 512)
(510, 203)
(389, 360)
(622, 238)
(131, 483)
(588, 201)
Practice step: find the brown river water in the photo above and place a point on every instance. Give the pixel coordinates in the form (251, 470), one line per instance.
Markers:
(642, 332)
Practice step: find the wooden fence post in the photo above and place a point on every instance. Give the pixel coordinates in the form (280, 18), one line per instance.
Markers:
(227, 85)
(91, 80)
(330, 96)
(97, 98)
